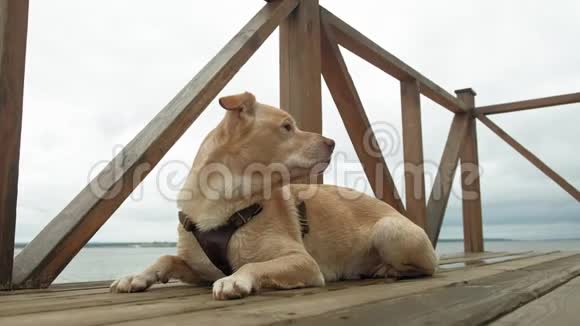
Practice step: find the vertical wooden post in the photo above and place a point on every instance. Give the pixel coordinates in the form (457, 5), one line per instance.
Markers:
(471, 194)
(413, 153)
(13, 29)
(300, 71)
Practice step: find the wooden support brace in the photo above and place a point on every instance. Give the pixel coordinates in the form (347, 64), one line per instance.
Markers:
(471, 193)
(529, 156)
(44, 258)
(413, 153)
(13, 30)
(353, 115)
(439, 197)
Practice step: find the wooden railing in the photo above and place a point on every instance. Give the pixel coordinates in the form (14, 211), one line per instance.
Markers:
(310, 40)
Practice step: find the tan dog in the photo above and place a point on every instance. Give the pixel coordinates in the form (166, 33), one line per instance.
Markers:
(252, 157)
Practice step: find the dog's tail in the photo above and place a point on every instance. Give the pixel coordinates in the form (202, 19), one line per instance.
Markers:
(404, 246)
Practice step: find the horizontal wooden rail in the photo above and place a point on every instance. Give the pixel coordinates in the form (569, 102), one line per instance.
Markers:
(529, 156)
(530, 104)
(43, 259)
(360, 45)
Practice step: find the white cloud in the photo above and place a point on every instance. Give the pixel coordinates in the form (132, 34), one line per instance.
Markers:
(98, 71)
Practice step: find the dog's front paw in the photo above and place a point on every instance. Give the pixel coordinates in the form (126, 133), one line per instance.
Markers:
(128, 284)
(232, 287)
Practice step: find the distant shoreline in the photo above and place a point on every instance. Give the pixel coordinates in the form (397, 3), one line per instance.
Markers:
(174, 244)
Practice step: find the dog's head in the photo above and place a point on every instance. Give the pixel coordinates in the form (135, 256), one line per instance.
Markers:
(263, 144)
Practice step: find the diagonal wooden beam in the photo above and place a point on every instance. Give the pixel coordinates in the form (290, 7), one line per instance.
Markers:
(353, 115)
(13, 30)
(439, 197)
(530, 104)
(44, 258)
(529, 156)
(362, 46)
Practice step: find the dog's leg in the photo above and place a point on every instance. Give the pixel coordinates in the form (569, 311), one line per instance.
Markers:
(164, 269)
(404, 248)
(287, 272)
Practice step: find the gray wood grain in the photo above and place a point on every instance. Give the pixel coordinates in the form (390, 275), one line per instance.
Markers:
(559, 307)
(469, 303)
(294, 309)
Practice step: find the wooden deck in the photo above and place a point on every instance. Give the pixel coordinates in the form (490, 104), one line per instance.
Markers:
(523, 288)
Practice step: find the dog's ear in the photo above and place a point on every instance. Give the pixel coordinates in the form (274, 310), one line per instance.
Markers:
(243, 102)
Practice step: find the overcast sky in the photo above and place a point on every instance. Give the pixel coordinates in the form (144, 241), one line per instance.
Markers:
(98, 71)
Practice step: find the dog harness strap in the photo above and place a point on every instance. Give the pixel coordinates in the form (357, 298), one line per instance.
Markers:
(302, 218)
(214, 243)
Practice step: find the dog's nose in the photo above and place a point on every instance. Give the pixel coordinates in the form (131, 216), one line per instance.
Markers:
(330, 143)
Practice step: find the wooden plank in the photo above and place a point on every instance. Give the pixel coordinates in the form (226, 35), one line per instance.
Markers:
(129, 311)
(444, 268)
(290, 310)
(559, 307)
(43, 294)
(98, 287)
(473, 303)
(529, 156)
(441, 190)
(59, 303)
(79, 289)
(530, 104)
(471, 193)
(360, 45)
(413, 153)
(42, 260)
(355, 120)
(476, 257)
(13, 30)
(98, 309)
(62, 287)
(64, 311)
(493, 260)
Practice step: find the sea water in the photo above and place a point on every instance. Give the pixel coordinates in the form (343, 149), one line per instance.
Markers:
(108, 263)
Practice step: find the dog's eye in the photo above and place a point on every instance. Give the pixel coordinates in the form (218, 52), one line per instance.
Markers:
(287, 126)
